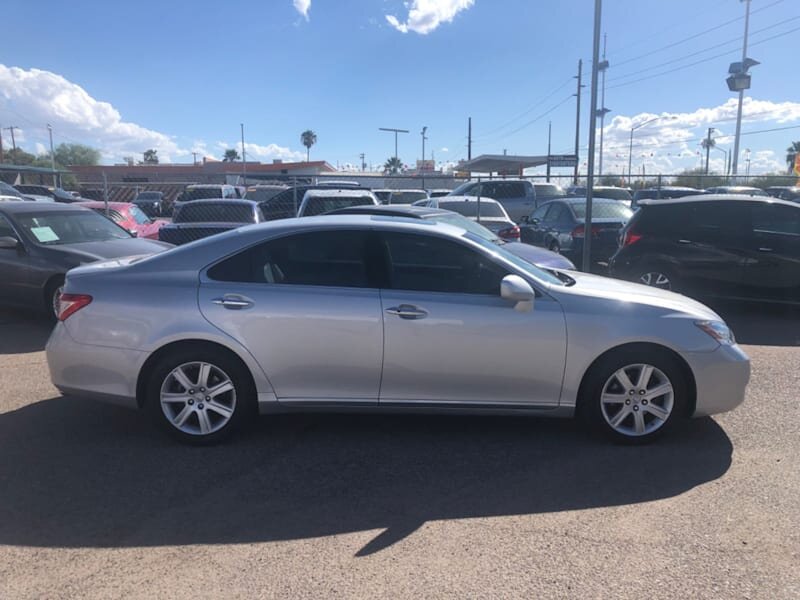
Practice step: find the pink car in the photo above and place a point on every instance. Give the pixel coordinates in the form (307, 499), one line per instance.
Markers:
(129, 216)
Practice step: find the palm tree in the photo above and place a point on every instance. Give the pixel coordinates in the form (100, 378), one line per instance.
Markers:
(231, 155)
(394, 165)
(150, 157)
(791, 155)
(309, 138)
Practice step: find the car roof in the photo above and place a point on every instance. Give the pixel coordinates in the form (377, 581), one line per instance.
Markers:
(716, 198)
(345, 193)
(464, 199)
(669, 187)
(195, 186)
(582, 200)
(416, 190)
(223, 201)
(17, 208)
(101, 204)
(391, 210)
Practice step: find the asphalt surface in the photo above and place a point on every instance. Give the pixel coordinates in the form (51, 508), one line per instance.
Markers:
(96, 504)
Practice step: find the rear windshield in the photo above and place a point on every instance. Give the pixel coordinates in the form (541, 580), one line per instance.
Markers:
(548, 189)
(319, 205)
(407, 197)
(200, 194)
(222, 212)
(603, 210)
(262, 194)
(149, 196)
(470, 209)
(612, 193)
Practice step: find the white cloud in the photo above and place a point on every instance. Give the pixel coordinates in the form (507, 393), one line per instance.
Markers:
(445, 150)
(672, 142)
(426, 15)
(302, 6)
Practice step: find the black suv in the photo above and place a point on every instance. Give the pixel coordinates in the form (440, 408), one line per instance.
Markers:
(714, 246)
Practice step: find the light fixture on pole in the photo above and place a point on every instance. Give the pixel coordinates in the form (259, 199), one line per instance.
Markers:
(639, 126)
(739, 81)
(395, 131)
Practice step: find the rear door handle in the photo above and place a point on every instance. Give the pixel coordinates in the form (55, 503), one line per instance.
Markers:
(765, 249)
(684, 241)
(407, 311)
(233, 302)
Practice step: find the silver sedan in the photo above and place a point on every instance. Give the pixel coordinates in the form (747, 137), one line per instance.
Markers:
(383, 313)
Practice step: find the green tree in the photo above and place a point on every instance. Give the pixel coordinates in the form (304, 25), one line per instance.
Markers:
(150, 157)
(615, 180)
(231, 155)
(308, 138)
(18, 156)
(696, 178)
(393, 165)
(772, 179)
(76, 154)
(791, 153)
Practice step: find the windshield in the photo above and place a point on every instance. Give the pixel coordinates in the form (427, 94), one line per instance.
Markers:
(470, 208)
(407, 197)
(54, 229)
(548, 189)
(520, 263)
(215, 212)
(258, 194)
(615, 194)
(138, 215)
(465, 223)
(459, 191)
(319, 205)
(603, 210)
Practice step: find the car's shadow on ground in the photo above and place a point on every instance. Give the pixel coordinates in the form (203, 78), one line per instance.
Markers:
(23, 331)
(79, 474)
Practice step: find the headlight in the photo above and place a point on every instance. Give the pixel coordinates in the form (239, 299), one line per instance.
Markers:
(718, 330)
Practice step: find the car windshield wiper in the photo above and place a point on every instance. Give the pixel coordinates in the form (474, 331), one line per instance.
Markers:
(568, 281)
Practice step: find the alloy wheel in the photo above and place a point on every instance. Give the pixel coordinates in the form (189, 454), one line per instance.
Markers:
(637, 400)
(656, 279)
(56, 300)
(198, 398)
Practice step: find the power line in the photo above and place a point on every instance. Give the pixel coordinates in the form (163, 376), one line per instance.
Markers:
(692, 37)
(705, 60)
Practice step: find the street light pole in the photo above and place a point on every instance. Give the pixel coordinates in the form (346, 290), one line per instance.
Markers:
(630, 145)
(578, 120)
(52, 155)
(422, 165)
(395, 131)
(587, 230)
(244, 158)
(741, 91)
(602, 111)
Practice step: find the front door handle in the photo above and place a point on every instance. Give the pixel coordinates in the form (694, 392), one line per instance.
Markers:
(233, 302)
(407, 311)
(765, 249)
(684, 241)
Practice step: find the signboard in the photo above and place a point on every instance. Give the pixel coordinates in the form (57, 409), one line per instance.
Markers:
(562, 160)
(796, 169)
(426, 165)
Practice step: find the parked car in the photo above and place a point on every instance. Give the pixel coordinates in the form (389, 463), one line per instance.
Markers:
(538, 256)
(548, 191)
(740, 247)
(736, 189)
(383, 195)
(8, 190)
(358, 312)
(317, 202)
(203, 218)
(39, 193)
(663, 193)
(560, 226)
(603, 191)
(56, 194)
(128, 216)
(785, 192)
(5, 198)
(438, 193)
(40, 242)
(489, 213)
(285, 204)
(152, 203)
(263, 192)
(338, 184)
(407, 196)
(517, 196)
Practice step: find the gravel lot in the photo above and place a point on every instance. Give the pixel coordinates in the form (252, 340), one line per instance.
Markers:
(96, 504)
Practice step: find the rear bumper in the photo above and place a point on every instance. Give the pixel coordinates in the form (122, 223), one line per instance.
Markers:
(97, 372)
(721, 378)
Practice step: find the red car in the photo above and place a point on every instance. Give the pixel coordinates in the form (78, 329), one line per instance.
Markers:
(129, 216)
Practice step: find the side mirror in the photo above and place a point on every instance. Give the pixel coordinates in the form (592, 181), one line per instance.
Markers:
(515, 289)
(525, 220)
(9, 243)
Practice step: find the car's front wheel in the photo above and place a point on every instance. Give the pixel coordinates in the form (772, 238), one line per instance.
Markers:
(199, 396)
(634, 395)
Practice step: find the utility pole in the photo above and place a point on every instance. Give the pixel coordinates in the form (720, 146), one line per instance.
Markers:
(422, 165)
(587, 237)
(1, 143)
(244, 158)
(708, 146)
(13, 142)
(602, 111)
(578, 121)
(469, 139)
(363, 164)
(741, 91)
(52, 155)
(395, 131)
(549, 138)
(194, 158)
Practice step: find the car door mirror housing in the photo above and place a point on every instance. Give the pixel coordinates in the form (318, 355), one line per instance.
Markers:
(515, 289)
(8, 242)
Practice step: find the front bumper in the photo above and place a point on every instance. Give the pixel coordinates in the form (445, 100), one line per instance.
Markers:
(721, 379)
(98, 372)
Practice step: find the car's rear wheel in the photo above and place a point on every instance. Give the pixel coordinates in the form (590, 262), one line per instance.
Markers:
(554, 247)
(52, 298)
(199, 396)
(659, 277)
(634, 396)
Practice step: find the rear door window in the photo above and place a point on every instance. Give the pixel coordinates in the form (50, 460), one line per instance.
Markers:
(775, 219)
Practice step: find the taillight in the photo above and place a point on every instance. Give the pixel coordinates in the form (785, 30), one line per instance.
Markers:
(630, 237)
(69, 304)
(580, 231)
(510, 233)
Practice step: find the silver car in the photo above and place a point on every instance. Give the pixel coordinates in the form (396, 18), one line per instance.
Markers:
(383, 313)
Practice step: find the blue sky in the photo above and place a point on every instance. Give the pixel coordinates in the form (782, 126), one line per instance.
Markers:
(129, 76)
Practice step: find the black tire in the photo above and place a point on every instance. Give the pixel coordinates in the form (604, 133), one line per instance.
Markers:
(591, 407)
(651, 275)
(53, 287)
(244, 395)
(554, 247)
